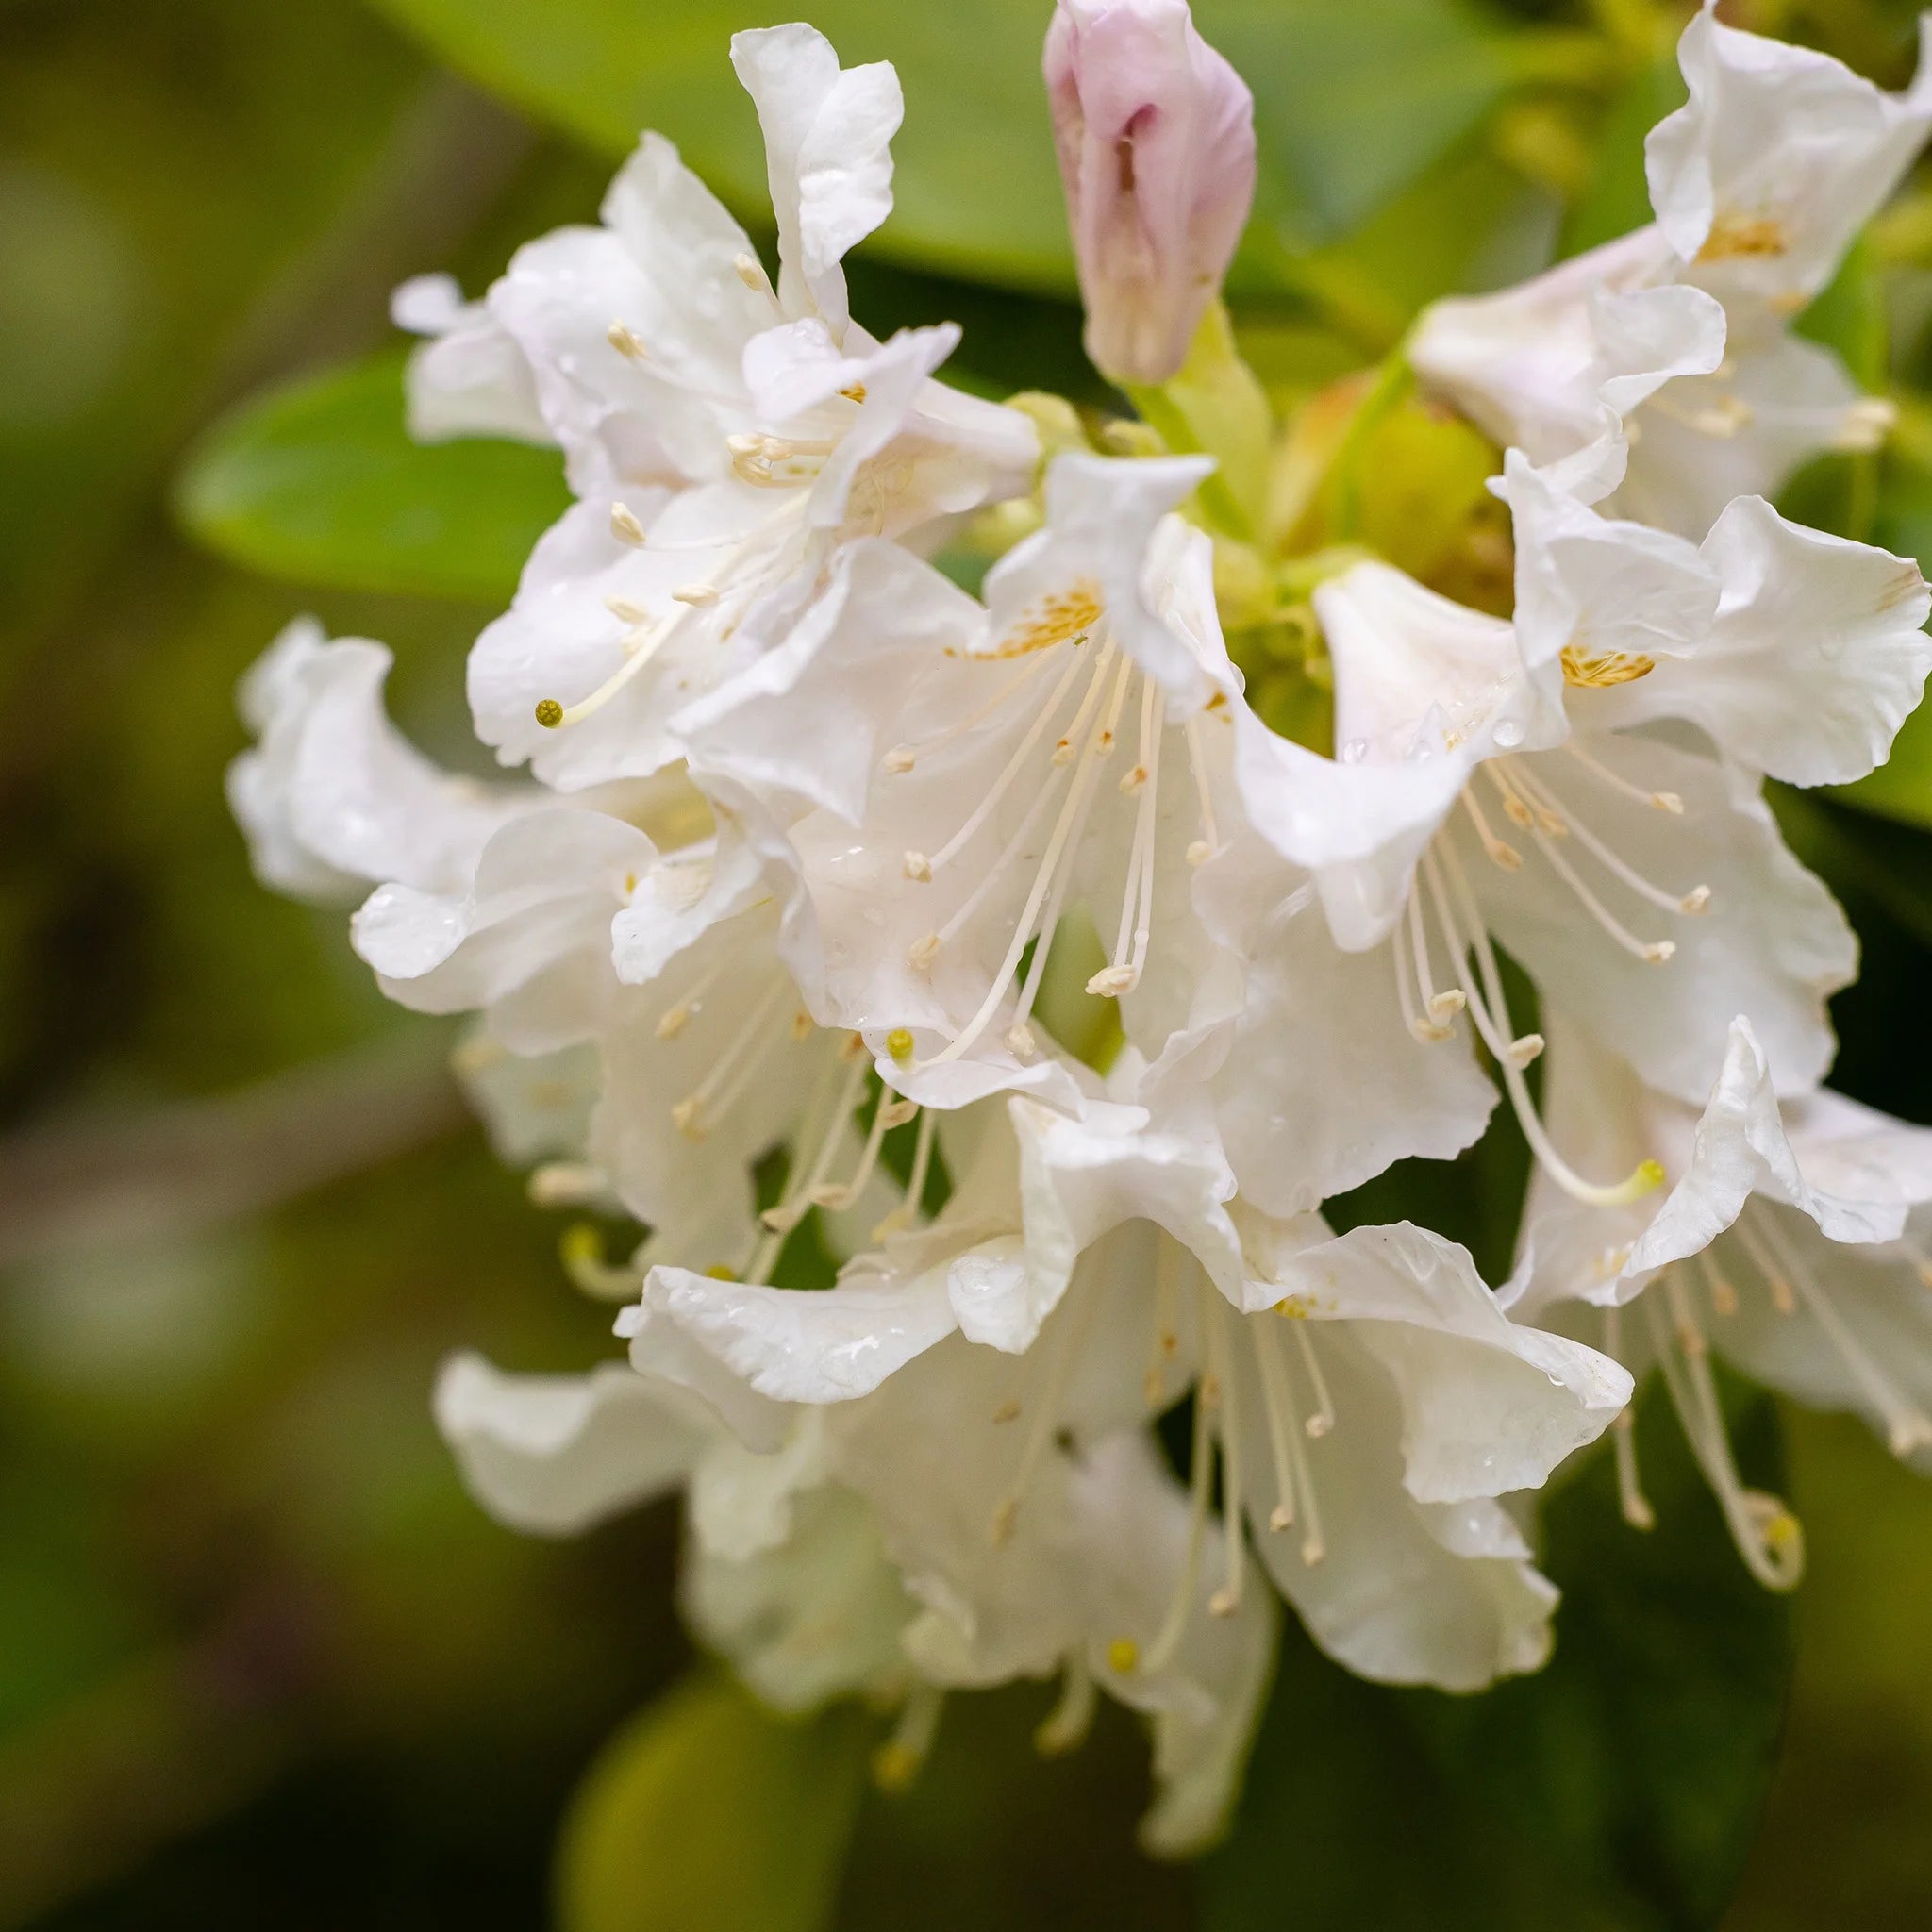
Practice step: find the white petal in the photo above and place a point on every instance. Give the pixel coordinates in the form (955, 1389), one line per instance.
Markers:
(1817, 655)
(537, 916)
(555, 1454)
(809, 723)
(1771, 945)
(827, 154)
(334, 797)
(1389, 1597)
(1779, 158)
(801, 1345)
(817, 1617)
(1323, 1085)
(1488, 1405)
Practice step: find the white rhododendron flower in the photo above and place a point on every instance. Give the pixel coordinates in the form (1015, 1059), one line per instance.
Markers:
(1792, 1243)
(981, 772)
(722, 435)
(1123, 1272)
(989, 877)
(1675, 341)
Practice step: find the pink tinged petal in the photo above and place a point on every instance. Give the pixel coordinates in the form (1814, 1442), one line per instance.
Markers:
(1156, 137)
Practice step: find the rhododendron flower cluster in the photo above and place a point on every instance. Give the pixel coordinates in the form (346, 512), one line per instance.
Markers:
(995, 941)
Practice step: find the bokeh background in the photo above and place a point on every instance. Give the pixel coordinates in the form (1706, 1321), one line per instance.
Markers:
(260, 1660)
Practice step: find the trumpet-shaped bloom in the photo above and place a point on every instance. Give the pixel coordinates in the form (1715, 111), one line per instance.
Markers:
(979, 773)
(723, 435)
(1792, 1241)
(1662, 362)
(1363, 1391)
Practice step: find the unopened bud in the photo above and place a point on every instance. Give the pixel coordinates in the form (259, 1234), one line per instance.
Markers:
(1155, 135)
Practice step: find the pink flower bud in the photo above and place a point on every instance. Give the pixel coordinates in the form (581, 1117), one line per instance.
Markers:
(1156, 134)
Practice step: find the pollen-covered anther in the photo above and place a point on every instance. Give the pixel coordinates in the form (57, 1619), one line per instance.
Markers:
(1658, 951)
(687, 1116)
(674, 1020)
(1224, 1603)
(921, 954)
(1525, 1048)
(1110, 982)
(900, 759)
(917, 867)
(625, 525)
(628, 343)
(626, 612)
(1063, 752)
(1020, 1038)
(1444, 1006)
(751, 272)
(1007, 1411)
(1132, 782)
(1199, 852)
(1696, 900)
(697, 595)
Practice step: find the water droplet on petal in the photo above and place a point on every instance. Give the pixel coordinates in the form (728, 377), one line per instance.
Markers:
(1509, 734)
(1355, 750)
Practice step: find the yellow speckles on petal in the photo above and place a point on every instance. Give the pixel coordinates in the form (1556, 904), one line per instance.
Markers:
(1600, 670)
(1293, 1307)
(1051, 620)
(1738, 238)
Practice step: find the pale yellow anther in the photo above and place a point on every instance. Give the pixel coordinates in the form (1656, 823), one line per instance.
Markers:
(921, 953)
(1020, 1038)
(628, 343)
(1199, 852)
(1007, 1411)
(1660, 950)
(1696, 900)
(696, 595)
(1110, 982)
(917, 867)
(1134, 781)
(899, 759)
(625, 525)
(674, 1020)
(626, 612)
(686, 1116)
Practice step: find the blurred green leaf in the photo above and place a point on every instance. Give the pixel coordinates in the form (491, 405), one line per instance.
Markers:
(1617, 1790)
(1351, 102)
(1616, 198)
(708, 1811)
(318, 482)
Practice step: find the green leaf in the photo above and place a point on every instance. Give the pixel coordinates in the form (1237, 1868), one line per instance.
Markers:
(1617, 1790)
(707, 1811)
(318, 482)
(1352, 103)
(1616, 198)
